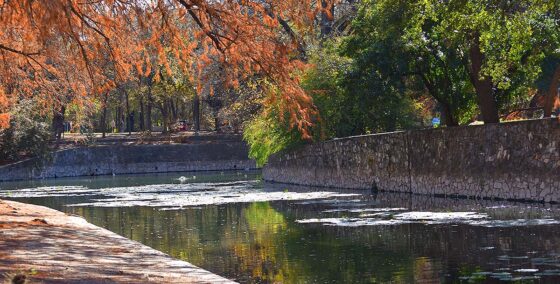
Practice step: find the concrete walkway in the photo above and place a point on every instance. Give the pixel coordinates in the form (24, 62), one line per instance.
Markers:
(48, 246)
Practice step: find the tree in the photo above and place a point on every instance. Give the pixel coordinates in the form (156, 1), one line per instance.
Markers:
(502, 42)
(243, 104)
(4, 106)
(27, 134)
(40, 40)
(552, 92)
(268, 135)
(411, 56)
(549, 45)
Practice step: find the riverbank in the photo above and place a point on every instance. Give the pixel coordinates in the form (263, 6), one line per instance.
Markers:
(513, 161)
(48, 246)
(119, 156)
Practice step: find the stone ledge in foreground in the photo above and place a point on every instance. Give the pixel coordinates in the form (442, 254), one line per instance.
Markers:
(58, 248)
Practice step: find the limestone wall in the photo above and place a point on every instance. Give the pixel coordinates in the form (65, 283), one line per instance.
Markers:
(132, 159)
(517, 160)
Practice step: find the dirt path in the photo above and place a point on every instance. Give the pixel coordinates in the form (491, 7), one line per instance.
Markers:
(49, 246)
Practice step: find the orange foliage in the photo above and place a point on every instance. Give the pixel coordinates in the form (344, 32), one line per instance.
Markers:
(4, 120)
(4, 117)
(57, 51)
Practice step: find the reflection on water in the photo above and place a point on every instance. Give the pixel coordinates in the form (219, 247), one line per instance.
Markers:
(263, 242)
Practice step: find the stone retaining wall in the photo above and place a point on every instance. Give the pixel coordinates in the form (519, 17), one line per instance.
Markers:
(132, 159)
(517, 160)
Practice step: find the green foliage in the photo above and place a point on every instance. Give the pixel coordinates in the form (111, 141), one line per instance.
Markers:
(353, 99)
(405, 60)
(391, 41)
(27, 135)
(266, 135)
(350, 102)
(514, 38)
(322, 82)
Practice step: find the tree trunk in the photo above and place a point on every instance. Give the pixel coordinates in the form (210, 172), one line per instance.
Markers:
(104, 116)
(446, 110)
(483, 86)
(174, 107)
(58, 123)
(196, 113)
(117, 119)
(141, 117)
(447, 115)
(552, 94)
(165, 116)
(128, 117)
(149, 110)
(217, 122)
(326, 20)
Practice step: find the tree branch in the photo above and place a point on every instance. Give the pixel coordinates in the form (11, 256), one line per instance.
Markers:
(290, 32)
(27, 54)
(216, 40)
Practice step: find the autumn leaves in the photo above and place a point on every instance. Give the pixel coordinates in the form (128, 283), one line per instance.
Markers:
(60, 52)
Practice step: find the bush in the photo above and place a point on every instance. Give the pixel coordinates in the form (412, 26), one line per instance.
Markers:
(266, 135)
(27, 135)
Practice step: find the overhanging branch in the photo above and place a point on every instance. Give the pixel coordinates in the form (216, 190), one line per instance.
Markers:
(13, 50)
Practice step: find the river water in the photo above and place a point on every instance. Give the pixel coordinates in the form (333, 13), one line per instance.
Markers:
(237, 226)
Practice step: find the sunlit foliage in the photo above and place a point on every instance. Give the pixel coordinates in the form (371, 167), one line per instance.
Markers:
(57, 51)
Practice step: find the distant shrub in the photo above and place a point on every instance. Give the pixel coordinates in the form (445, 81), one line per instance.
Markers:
(267, 135)
(27, 135)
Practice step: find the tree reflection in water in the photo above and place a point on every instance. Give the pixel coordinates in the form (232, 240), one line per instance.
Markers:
(261, 242)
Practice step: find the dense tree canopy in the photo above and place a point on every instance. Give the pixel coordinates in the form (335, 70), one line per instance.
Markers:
(67, 50)
(458, 50)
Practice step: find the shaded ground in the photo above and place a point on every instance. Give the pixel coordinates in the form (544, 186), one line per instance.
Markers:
(152, 138)
(49, 246)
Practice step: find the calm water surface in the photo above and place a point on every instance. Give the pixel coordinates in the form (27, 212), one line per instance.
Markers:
(239, 227)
